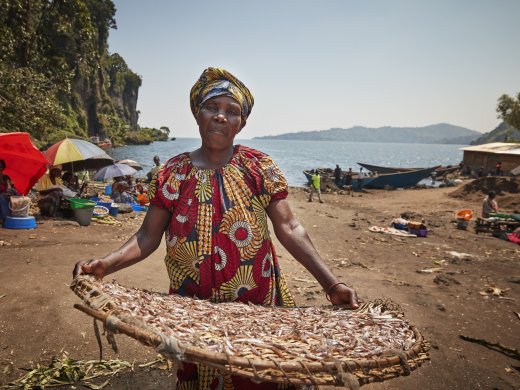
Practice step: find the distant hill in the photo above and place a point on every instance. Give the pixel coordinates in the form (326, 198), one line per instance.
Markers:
(441, 133)
(502, 133)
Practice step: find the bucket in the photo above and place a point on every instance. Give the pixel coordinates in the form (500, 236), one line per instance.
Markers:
(114, 210)
(84, 215)
(78, 203)
(19, 206)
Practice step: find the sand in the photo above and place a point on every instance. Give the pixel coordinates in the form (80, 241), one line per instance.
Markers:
(37, 319)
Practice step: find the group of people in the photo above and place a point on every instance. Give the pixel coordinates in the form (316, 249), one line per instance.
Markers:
(480, 172)
(343, 180)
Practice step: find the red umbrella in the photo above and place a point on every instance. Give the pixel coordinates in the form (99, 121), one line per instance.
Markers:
(25, 164)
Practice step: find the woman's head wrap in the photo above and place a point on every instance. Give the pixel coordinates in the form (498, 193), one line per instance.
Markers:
(219, 82)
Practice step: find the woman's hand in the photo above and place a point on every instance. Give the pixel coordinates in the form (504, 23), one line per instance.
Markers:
(94, 267)
(340, 294)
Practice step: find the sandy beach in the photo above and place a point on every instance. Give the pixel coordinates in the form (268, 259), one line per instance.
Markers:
(451, 283)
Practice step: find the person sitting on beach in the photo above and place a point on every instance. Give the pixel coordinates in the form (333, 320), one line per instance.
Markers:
(315, 185)
(141, 192)
(71, 181)
(6, 191)
(121, 190)
(50, 190)
(489, 205)
(213, 206)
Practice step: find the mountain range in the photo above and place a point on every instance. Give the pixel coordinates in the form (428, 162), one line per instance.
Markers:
(442, 133)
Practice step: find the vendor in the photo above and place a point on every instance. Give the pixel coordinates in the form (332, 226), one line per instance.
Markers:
(6, 190)
(489, 205)
(121, 191)
(50, 191)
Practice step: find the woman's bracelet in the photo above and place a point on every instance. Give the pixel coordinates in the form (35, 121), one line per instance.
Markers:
(327, 293)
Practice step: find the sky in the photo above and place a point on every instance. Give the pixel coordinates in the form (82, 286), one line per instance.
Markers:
(315, 65)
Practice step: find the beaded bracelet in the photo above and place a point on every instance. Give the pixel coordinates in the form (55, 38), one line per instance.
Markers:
(330, 289)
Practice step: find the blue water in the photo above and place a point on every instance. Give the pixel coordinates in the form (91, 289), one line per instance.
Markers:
(295, 156)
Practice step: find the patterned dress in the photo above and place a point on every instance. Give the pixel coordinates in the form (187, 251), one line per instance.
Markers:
(218, 242)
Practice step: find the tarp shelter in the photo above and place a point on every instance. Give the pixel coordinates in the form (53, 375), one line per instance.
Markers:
(25, 163)
(487, 156)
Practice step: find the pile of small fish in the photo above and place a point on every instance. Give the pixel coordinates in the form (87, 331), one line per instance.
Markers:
(253, 331)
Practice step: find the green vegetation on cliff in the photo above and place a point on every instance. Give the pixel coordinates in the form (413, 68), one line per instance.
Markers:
(508, 109)
(57, 77)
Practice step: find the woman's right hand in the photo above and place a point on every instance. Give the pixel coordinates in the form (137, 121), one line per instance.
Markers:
(94, 267)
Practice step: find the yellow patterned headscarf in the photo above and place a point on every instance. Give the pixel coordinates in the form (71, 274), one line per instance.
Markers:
(217, 82)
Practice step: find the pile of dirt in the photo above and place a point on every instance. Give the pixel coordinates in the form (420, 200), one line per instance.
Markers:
(485, 184)
(506, 188)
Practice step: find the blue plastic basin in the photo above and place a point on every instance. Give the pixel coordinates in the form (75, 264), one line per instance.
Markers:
(19, 223)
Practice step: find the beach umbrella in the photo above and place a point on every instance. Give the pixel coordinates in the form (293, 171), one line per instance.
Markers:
(25, 164)
(134, 164)
(77, 155)
(114, 170)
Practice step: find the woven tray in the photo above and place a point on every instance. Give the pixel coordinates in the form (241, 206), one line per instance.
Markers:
(305, 345)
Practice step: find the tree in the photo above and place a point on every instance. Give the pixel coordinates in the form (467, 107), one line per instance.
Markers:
(508, 109)
(165, 130)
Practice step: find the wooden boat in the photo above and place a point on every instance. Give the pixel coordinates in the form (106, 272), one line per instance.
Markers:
(399, 179)
(439, 171)
(103, 144)
(382, 169)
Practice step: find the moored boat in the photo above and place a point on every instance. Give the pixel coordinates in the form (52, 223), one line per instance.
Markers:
(399, 179)
(439, 171)
(103, 144)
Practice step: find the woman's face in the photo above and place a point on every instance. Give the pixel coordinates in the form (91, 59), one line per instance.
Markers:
(220, 120)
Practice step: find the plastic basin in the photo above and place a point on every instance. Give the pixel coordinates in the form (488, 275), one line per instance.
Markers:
(19, 222)
(137, 207)
(465, 214)
(79, 203)
(108, 205)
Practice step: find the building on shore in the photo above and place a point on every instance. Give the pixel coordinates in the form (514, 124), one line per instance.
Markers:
(486, 156)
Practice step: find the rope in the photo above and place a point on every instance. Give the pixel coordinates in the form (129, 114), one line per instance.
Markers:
(111, 322)
(347, 379)
(170, 347)
(98, 339)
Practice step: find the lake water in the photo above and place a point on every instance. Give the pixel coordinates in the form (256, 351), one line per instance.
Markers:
(295, 156)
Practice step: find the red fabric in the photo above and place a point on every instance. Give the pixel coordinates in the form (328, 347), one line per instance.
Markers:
(514, 237)
(25, 163)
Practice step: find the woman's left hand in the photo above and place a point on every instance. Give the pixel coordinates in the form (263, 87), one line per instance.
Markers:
(343, 295)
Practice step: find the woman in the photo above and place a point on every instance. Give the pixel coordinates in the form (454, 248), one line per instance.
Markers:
(489, 205)
(50, 191)
(213, 205)
(6, 190)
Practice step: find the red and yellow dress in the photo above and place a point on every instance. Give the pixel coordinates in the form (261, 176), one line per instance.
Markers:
(218, 242)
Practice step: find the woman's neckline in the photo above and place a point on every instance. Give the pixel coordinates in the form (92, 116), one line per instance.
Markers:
(236, 149)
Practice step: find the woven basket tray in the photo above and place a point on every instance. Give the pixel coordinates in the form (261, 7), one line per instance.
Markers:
(305, 345)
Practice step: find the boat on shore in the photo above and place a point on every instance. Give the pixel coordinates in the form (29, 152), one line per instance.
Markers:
(103, 144)
(405, 179)
(439, 171)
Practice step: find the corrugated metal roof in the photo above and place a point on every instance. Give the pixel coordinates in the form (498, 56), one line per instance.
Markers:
(495, 147)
